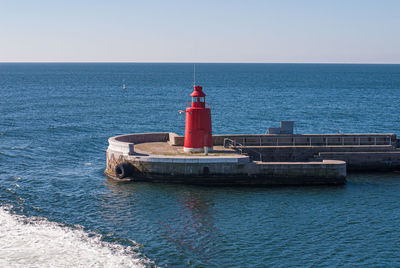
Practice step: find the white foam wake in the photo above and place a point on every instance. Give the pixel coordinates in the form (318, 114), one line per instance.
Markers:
(36, 242)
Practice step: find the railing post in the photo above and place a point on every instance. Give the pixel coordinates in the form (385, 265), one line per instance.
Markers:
(131, 149)
(326, 141)
(342, 140)
(375, 140)
(310, 142)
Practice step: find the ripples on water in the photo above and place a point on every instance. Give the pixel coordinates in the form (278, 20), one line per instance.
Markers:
(54, 124)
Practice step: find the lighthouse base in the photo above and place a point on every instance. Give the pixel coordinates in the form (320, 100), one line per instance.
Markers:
(196, 150)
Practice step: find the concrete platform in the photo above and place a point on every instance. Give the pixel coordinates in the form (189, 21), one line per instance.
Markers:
(164, 148)
(152, 157)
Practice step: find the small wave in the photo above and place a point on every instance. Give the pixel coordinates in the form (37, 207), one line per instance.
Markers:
(11, 191)
(18, 148)
(87, 164)
(36, 242)
(14, 178)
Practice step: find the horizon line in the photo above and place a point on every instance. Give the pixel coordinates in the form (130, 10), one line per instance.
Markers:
(204, 62)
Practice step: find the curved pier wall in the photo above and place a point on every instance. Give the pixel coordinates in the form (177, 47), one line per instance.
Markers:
(142, 137)
(125, 143)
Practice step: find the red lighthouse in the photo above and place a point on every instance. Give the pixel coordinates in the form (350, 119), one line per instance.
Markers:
(198, 135)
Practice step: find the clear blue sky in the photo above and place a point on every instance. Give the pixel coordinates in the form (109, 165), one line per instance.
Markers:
(349, 31)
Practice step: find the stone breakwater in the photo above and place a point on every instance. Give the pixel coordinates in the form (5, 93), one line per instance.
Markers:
(159, 157)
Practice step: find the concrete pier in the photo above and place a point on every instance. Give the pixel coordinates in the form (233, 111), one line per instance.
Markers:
(361, 152)
(157, 157)
(367, 161)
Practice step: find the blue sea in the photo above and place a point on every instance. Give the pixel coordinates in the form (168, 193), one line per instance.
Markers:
(57, 209)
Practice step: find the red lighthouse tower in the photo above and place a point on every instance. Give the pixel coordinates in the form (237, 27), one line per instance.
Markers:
(198, 135)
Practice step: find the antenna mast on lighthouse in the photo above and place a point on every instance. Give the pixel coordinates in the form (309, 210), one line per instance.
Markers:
(194, 74)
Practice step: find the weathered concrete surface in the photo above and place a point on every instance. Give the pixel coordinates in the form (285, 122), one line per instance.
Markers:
(285, 128)
(154, 159)
(164, 148)
(367, 161)
(228, 170)
(306, 153)
(371, 151)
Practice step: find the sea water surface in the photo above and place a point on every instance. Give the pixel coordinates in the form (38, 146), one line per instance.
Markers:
(59, 210)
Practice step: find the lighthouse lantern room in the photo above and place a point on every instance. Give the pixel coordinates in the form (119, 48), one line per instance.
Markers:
(198, 135)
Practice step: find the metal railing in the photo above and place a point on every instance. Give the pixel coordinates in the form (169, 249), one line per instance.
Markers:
(309, 141)
(228, 143)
